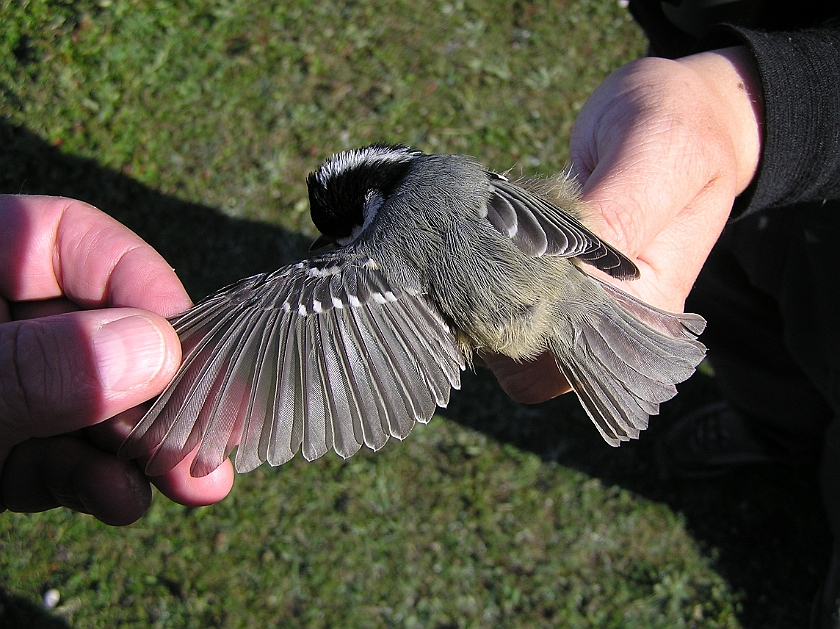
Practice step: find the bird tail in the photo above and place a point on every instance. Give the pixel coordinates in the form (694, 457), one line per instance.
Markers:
(626, 359)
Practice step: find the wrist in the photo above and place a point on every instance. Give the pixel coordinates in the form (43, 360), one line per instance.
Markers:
(731, 77)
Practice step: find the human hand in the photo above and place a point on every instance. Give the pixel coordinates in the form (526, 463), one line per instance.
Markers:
(662, 149)
(83, 339)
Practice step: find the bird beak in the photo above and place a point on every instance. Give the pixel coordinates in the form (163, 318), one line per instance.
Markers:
(321, 241)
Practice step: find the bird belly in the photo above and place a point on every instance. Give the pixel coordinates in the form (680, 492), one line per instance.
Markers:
(508, 309)
(521, 336)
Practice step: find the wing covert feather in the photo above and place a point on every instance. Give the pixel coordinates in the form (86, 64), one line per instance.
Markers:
(538, 227)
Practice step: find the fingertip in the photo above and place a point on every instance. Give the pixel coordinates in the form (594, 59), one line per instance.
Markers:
(179, 486)
(136, 351)
(172, 351)
(136, 354)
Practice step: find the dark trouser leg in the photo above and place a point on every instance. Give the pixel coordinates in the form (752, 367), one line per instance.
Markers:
(771, 294)
(826, 613)
(755, 371)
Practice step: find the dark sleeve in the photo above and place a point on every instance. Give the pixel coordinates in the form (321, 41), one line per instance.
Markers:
(800, 76)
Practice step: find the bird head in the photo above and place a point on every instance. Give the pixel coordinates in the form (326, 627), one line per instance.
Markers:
(347, 190)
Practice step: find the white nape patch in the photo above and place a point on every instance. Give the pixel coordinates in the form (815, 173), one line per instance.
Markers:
(287, 307)
(302, 310)
(316, 307)
(354, 301)
(337, 303)
(368, 156)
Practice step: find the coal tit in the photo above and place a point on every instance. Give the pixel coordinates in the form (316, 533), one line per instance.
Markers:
(436, 258)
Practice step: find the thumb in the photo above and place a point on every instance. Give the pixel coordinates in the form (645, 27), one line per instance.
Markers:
(69, 371)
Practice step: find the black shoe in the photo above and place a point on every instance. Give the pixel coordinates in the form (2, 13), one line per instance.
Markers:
(712, 441)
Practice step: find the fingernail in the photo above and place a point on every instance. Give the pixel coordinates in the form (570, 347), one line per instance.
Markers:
(130, 352)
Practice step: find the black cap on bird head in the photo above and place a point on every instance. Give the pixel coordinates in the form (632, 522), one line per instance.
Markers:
(347, 190)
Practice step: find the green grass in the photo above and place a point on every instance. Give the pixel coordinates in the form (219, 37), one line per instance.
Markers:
(446, 530)
(232, 103)
(195, 124)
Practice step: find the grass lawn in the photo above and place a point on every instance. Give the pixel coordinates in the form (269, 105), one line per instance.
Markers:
(195, 124)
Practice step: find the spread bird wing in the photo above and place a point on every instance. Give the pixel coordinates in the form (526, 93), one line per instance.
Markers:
(323, 354)
(538, 227)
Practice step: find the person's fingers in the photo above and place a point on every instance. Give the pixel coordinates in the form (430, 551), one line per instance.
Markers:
(65, 372)
(653, 145)
(528, 382)
(177, 484)
(671, 260)
(68, 471)
(37, 309)
(52, 247)
(69, 371)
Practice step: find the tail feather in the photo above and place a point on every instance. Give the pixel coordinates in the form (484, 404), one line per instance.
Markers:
(615, 353)
(614, 411)
(626, 359)
(676, 324)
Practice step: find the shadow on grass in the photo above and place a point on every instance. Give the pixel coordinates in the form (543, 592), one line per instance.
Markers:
(207, 249)
(17, 612)
(765, 528)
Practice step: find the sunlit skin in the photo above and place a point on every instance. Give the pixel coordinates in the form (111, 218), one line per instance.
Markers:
(67, 271)
(662, 149)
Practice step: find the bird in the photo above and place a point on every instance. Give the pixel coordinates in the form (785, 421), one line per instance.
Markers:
(432, 260)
